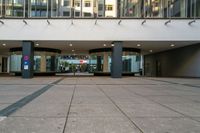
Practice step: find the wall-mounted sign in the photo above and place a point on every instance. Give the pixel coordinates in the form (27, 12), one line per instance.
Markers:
(26, 57)
(25, 67)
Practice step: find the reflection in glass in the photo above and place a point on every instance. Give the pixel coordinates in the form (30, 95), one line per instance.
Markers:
(111, 8)
(77, 8)
(38, 8)
(60, 8)
(131, 62)
(101, 62)
(101, 8)
(43, 62)
(15, 60)
(14, 8)
(198, 8)
(0, 7)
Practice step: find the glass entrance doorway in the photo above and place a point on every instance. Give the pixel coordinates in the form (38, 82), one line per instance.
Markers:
(73, 65)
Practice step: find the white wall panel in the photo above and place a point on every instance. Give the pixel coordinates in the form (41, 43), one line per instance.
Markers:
(105, 29)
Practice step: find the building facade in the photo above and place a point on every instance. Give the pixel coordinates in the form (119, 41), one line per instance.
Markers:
(114, 37)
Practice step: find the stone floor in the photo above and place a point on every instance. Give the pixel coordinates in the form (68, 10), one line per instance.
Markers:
(99, 105)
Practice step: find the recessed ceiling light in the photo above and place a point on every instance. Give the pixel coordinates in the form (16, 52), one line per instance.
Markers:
(151, 51)
(70, 45)
(4, 44)
(138, 45)
(37, 44)
(172, 45)
(104, 45)
(112, 45)
(73, 50)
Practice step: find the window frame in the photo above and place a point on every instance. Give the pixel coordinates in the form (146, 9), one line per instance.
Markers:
(5, 8)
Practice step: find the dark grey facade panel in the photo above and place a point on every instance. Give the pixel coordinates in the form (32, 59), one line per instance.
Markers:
(180, 62)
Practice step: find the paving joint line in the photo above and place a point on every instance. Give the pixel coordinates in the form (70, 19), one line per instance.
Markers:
(135, 125)
(187, 116)
(188, 85)
(25, 100)
(70, 104)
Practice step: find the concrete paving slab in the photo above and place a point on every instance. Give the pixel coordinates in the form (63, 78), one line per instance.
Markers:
(2, 106)
(94, 110)
(195, 99)
(32, 125)
(33, 81)
(8, 99)
(42, 110)
(180, 80)
(189, 109)
(147, 110)
(19, 89)
(100, 125)
(167, 125)
(169, 99)
(91, 100)
(56, 94)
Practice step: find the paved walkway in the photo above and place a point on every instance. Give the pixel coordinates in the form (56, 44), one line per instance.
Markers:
(99, 105)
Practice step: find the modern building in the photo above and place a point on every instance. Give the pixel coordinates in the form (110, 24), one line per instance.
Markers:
(104, 37)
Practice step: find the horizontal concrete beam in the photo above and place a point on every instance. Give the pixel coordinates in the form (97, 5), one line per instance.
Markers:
(105, 29)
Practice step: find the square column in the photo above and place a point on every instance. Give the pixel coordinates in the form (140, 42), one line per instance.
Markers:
(98, 63)
(43, 63)
(116, 68)
(105, 62)
(27, 59)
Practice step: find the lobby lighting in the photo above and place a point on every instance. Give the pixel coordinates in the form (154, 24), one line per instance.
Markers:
(73, 50)
(112, 45)
(150, 51)
(4, 44)
(193, 21)
(48, 22)
(143, 22)
(37, 44)
(70, 45)
(169, 21)
(25, 22)
(104, 45)
(1, 22)
(172, 45)
(138, 45)
(119, 22)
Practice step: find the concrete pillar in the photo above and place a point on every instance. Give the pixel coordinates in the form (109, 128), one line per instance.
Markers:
(43, 63)
(27, 59)
(116, 68)
(98, 63)
(53, 65)
(105, 62)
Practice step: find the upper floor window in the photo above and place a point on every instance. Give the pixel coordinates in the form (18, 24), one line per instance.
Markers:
(109, 7)
(87, 4)
(0, 7)
(77, 4)
(66, 3)
(14, 8)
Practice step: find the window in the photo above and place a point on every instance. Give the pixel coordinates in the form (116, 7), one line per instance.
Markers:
(77, 14)
(77, 4)
(87, 4)
(109, 7)
(38, 8)
(86, 14)
(66, 3)
(66, 13)
(0, 7)
(14, 8)
(100, 7)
